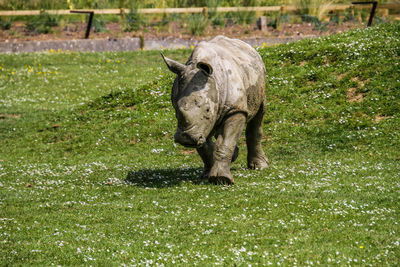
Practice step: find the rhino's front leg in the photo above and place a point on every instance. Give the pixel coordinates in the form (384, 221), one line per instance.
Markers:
(206, 154)
(224, 149)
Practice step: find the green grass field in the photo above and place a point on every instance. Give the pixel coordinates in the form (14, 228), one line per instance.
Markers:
(89, 173)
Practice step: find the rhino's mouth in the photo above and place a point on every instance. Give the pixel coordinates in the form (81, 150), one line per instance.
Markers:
(188, 139)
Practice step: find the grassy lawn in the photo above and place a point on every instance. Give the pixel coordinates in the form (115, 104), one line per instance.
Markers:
(89, 172)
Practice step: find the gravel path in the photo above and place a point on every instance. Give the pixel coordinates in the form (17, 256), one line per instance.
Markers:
(123, 44)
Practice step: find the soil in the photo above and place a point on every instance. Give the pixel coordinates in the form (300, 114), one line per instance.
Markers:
(18, 31)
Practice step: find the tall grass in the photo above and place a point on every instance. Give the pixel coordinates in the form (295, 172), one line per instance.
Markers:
(197, 24)
(316, 8)
(65, 4)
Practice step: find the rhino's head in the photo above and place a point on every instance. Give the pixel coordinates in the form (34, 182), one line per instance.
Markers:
(195, 99)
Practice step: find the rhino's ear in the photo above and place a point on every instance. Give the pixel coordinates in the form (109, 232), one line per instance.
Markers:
(206, 68)
(174, 66)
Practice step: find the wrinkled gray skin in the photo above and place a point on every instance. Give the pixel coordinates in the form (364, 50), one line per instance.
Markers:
(219, 90)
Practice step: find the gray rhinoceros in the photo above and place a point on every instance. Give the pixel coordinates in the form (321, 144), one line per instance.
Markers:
(220, 89)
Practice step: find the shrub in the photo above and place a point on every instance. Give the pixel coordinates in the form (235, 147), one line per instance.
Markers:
(42, 23)
(218, 21)
(99, 25)
(246, 17)
(134, 20)
(273, 23)
(349, 15)
(197, 24)
(316, 8)
(318, 25)
(334, 18)
(5, 24)
(215, 18)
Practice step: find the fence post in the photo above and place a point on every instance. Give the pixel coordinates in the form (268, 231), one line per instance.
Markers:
(122, 12)
(371, 15)
(205, 12)
(89, 25)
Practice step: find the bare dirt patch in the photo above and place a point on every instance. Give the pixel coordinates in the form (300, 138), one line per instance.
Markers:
(10, 116)
(352, 93)
(353, 96)
(19, 32)
(379, 118)
(361, 83)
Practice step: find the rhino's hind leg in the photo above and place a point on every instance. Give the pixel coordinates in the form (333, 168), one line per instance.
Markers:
(206, 154)
(256, 158)
(225, 149)
(235, 154)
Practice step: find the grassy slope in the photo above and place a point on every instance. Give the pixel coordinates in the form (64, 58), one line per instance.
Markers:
(330, 195)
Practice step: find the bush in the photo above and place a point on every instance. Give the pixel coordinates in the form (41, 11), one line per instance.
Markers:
(5, 24)
(215, 18)
(218, 21)
(134, 20)
(318, 25)
(244, 17)
(42, 23)
(99, 25)
(273, 23)
(197, 24)
(334, 18)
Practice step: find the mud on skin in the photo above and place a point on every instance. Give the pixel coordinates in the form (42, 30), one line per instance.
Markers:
(219, 91)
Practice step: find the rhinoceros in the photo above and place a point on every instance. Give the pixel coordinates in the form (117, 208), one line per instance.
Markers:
(219, 90)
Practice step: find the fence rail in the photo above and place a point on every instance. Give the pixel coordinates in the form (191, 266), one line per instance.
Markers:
(340, 7)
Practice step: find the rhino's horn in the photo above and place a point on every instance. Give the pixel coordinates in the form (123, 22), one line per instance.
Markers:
(174, 66)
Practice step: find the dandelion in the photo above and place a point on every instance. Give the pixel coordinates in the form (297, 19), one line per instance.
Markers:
(361, 246)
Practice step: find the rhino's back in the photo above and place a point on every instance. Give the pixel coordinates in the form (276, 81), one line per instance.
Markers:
(239, 72)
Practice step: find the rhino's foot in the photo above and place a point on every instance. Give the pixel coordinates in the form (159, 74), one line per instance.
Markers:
(222, 180)
(258, 163)
(221, 175)
(235, 154)
(205, 174)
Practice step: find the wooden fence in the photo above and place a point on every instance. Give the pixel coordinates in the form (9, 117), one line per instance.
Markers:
(341, 7)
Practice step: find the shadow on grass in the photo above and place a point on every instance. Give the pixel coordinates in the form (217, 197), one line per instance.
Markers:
(160, 178)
